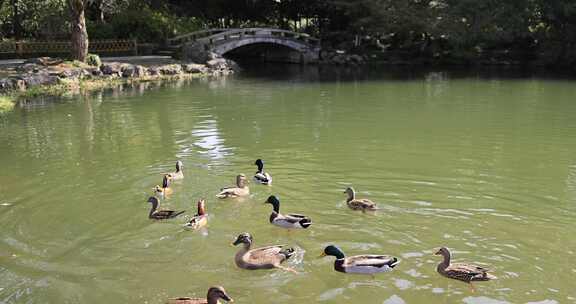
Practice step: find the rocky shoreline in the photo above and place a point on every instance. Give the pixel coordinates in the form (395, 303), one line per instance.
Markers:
(43, 75)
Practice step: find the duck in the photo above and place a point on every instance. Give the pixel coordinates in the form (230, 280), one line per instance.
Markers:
(215, 293)
(161, 214)
(178, 174)
(261, 258)
(465, 272)
(262, 177)
(297, 221)
(362, 264)
(164, 190)
(358, 204)
(241, 188)
(200, 219)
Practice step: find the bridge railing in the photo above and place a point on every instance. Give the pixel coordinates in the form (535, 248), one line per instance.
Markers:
(181, 39)
(215, 36)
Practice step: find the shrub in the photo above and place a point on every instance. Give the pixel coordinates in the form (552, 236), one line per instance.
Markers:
(93, 60)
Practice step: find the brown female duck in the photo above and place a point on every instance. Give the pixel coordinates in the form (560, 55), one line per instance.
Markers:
(214, 294)
(461, 271)
(261, 258)
(358, 204)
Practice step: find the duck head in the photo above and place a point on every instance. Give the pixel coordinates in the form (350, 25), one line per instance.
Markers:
(166, 181)
(273, 200)
(444, 252)
(260, 164)
(218, 292)
(179, 166)
(351, 193)
(333, 251)
(153, 200)
(243, 238)
(202, 207)
(241, 180)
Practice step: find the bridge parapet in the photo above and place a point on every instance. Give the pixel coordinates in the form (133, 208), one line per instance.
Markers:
(219, 41)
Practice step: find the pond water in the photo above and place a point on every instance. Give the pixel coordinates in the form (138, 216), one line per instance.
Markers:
(482, 163)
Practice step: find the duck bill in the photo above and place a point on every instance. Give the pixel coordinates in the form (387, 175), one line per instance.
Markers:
(227, 299)
(322, 255)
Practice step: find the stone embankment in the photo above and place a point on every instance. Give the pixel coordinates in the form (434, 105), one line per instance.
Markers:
(46, 72)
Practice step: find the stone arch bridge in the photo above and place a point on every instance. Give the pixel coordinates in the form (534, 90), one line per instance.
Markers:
(281, 45)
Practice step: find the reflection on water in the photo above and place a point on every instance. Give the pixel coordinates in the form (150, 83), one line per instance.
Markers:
(479, 162)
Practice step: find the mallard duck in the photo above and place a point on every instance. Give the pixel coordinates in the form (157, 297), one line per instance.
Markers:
(214, 294)
(262, 177)
(200, 219)
(365, 264)
(241, 188)
(358, 204)
(178, 174)
(461, 271)
(161, 214)
(261, 258)
(164, 190)
(286, 220)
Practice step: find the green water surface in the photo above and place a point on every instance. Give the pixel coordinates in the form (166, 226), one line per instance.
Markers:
(485, 165)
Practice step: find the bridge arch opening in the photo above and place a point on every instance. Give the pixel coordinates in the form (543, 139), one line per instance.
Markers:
(264, 52)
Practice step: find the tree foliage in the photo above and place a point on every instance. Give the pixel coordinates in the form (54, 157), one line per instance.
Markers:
(523, 29)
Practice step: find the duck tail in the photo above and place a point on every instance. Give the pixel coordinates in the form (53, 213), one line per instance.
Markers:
(393, 262)
(287, 252)
(305, 223)
(178, 213)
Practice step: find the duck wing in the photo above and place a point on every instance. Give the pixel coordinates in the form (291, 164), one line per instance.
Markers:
(362, 204)
(165, 214)
(228, 192)
(186, 300)
(263, 178)
(371, 261)
(468, 272)
(269, 255)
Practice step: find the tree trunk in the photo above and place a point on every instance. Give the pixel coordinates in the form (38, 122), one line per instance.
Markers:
(16, 22)
(79, 38)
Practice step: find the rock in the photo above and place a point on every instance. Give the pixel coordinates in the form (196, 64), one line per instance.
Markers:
(154, 71)
(112, 68)
(72, 74)
(134, 71)
(45, 61)
(32, 80)
(171, 69)
(93, 71)
(217, 63)
(12, 84)
(29, 67)
(194, 68)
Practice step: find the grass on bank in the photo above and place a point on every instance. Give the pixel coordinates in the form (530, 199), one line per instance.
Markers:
(7, 104)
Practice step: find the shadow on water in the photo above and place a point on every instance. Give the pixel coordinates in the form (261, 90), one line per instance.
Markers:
(333, 73)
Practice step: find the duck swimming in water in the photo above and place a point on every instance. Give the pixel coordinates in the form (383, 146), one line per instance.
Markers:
(215, 293)
(156, 214)
(461, 271)
(241, 188)
(178, 174)
(262, 177)
(286, 220)
(358, 204)
(261, 258)
(163, 191)
(363, 264)
(200, 219)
